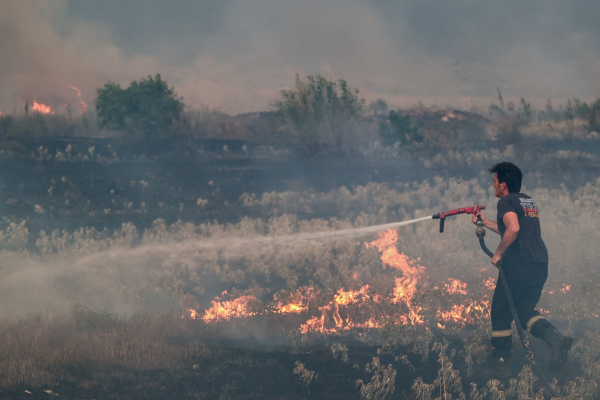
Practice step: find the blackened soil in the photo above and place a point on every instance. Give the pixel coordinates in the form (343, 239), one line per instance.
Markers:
(229, 373)
(265, 373)
(103, 183)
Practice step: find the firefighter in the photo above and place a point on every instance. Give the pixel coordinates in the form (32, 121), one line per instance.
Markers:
(524, 258)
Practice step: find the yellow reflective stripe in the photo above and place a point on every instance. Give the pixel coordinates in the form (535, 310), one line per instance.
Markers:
(532, 321)
(505, 333)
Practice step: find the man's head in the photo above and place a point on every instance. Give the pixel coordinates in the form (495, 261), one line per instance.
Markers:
(507, 178)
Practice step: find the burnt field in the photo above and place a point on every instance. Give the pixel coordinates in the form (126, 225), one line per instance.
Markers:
(96, 356)
(205, 269)
(66, 183)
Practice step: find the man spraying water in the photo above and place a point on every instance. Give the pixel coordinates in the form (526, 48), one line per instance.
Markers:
(524, 258)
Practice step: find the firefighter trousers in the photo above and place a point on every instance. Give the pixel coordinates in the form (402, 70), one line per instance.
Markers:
(525, 281)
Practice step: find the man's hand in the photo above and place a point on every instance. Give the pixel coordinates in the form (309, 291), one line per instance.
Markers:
(495, 260)
(479, 214)
(491, 225)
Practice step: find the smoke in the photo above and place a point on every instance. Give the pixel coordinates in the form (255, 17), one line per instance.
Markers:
(124, 279)
(235, 56)
(43, 55)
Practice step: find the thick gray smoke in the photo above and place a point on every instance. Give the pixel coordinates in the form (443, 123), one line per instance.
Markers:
(235, 56)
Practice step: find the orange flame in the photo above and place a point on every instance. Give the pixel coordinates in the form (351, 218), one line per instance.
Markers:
(364, 309)
(566, 288)
(75, 88)
(225, 310)
(291, 308)
(82, 104)
(456, 286)
(462, 314)
(312, 325)
(41, 108)
(337, 315)
(297, 303)
(350, 297)
(406, 286)
(490, 283)
(192, 314)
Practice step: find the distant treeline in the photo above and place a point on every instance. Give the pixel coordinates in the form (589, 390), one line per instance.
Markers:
(314, 116)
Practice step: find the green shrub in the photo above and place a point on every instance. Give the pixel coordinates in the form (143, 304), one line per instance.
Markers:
(319, 115)
(147, 108)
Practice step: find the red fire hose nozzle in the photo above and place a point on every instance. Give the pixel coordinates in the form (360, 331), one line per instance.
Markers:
(465, 210)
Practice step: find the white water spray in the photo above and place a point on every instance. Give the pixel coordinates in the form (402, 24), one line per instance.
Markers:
(125, 279)
(235, 246)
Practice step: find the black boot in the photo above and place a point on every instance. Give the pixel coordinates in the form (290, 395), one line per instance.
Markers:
(559, 344)
(498, 365)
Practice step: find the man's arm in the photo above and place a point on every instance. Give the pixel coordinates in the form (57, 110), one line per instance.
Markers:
(511, 221)
(488, 223)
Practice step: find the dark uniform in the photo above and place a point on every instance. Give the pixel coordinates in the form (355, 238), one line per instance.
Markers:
(525, 264)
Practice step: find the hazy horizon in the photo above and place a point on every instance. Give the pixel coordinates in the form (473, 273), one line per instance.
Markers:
(236, 56)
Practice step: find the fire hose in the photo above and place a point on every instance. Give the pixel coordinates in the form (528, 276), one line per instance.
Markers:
(480, 232)
(465, 210)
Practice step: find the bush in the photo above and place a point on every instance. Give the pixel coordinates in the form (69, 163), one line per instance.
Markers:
(320, 116)
(146, 108)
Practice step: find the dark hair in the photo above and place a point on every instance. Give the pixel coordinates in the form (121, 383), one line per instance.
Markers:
(510, 174)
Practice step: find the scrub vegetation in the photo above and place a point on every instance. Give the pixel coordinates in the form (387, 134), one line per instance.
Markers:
(109, 245)
(100, 350)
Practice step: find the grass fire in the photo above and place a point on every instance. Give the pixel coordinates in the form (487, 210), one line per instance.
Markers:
(362, 308)
(388, 303)
(252, 207)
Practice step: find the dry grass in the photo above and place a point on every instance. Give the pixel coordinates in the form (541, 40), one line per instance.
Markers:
(38, 350)
(85, 346)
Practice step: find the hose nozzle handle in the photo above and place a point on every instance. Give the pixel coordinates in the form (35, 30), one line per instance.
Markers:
(465, 210)
(442, 219)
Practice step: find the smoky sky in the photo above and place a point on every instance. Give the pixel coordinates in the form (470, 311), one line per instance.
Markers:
(235, 56)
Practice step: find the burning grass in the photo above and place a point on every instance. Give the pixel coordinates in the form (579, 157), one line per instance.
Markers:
(412, 300)
(403, 312)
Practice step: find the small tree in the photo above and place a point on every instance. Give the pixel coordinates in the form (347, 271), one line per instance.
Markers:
(146, 108)
(320, 115)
